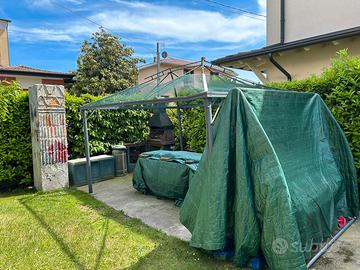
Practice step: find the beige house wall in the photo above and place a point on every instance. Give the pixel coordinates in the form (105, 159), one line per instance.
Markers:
(303, 62)
(309, 18)
(4, 44)
(27, 81)
(151, 70)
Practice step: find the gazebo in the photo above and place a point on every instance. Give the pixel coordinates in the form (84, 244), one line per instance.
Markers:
(193, 89)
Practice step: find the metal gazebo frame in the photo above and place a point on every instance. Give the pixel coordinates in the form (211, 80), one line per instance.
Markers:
(205, 96)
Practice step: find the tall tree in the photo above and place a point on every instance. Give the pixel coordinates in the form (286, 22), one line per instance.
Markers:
(104, 65)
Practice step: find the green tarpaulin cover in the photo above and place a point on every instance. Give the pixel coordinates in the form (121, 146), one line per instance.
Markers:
(278, 176)
(169, 179)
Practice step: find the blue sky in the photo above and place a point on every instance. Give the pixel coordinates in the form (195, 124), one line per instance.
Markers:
(48, 33)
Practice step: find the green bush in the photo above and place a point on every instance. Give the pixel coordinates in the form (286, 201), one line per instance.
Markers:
(339, 86)
(193, 125)
(105, 128)
(15, 139)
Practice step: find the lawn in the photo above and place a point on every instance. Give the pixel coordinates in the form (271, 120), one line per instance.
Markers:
(71, 230)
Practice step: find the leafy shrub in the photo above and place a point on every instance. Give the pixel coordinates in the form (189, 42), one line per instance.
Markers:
(15, 138)
(105, 129)
(339, 86)
(193, 125)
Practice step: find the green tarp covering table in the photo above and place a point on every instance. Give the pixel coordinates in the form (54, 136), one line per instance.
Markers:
(279, 175)
(165, 173)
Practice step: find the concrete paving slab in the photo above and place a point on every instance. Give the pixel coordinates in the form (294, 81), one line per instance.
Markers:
(344, 254)
(161, 214)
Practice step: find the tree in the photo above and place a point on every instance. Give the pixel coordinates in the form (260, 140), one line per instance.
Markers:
(105, 65)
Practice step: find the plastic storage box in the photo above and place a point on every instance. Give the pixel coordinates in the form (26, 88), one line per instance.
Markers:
(102, 168)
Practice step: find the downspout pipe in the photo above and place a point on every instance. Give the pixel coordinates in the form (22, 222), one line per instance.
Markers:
(279, 67)
(282, 21)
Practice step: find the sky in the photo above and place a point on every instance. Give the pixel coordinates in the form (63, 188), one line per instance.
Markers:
(47, 34)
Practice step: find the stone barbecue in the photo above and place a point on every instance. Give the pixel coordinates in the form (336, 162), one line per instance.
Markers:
(161, 130)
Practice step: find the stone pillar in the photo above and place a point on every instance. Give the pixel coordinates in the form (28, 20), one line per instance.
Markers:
(48, 133)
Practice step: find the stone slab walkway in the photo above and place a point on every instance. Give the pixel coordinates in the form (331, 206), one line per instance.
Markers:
(161, 214)
(344, 254)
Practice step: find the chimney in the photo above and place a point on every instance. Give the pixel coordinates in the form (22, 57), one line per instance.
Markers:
(4, 43)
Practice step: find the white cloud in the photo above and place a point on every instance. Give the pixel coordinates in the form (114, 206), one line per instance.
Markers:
(181, 24)
(262, 6)
(48, 3)
(151, 22)
(204, 48)
(133, 4)
(40, 34)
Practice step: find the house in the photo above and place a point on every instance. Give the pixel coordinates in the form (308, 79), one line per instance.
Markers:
(301, 38)
(179, 66)
(26, 76)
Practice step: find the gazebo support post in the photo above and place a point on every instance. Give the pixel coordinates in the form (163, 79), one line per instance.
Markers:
(87, 152)
(178, 117)
(208, 117)
(329, 244)
(180, 127)
(207, 104)
(208, 113)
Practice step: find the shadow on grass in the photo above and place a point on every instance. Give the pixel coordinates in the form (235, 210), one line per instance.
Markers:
(61, 243)
(169, 253)
(16, 192)
(102, 246)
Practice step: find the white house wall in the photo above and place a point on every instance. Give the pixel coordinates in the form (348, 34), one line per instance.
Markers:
(26, 81)
(310, 18)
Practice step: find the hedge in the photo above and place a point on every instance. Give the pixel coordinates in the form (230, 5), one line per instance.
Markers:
(193, 126)
(339, 86)
(105, 129)
(15, 139)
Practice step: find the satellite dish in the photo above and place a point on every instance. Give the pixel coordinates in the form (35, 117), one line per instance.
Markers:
(164, 54)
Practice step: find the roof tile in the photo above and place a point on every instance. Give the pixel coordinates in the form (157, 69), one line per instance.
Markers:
(22, 68)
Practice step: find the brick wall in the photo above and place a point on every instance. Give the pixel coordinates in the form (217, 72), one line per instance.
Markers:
(53, 81)
(7, 79)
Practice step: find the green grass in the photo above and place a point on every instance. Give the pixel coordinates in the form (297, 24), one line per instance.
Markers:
(71, 230)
